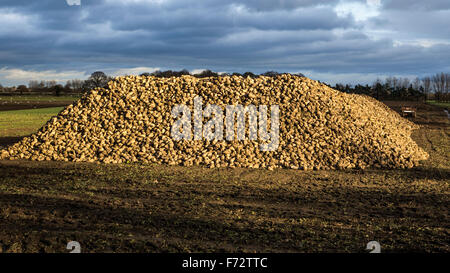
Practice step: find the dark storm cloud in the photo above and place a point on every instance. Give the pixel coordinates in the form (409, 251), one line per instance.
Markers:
(140, 16)
(286, 35)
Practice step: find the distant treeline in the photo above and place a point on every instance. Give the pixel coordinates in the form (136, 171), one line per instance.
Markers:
(433, 87)
(209, 73)
(100, 79)
(76, 86)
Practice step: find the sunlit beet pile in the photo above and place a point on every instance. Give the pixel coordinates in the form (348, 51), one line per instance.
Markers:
(131, 120)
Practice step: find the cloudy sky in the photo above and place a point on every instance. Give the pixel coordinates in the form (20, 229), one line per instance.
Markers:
(333, 41)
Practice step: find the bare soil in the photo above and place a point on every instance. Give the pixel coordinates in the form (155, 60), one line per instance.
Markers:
(8, 106)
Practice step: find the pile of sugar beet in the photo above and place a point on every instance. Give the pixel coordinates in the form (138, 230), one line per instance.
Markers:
(131, 121)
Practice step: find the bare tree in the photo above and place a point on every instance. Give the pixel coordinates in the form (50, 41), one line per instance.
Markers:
(33, 84)
(416, 84)
(395, 83)
(68, 85)
(447, 83)
(443, 80)
(404, 82)
(377, 87)
(97, 79)
(439, 82)
(388, 82)
(50, 84)
(76, 85)
(426, 86)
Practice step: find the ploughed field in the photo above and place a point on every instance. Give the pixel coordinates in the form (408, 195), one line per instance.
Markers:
(19, 102)
(162, 208)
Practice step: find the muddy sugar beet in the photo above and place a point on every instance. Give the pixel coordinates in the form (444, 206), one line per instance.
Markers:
(132, 121)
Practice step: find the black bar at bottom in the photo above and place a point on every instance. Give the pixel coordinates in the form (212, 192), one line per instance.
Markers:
(226, 262)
